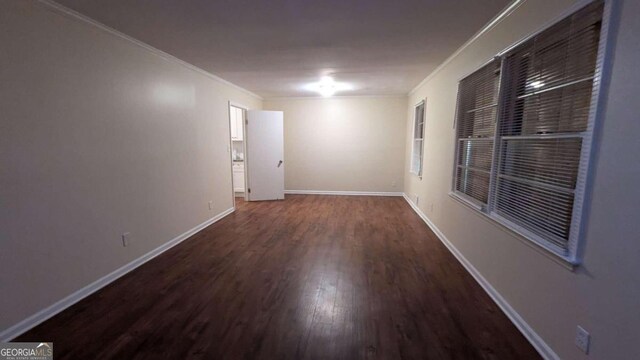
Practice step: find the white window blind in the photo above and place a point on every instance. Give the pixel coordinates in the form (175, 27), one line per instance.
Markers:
(533, 179)
(545, 119)
(418, 139)
(476, 122)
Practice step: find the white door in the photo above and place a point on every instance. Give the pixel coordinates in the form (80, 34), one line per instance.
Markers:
(265, 155)
(233, 123)
(239, 126)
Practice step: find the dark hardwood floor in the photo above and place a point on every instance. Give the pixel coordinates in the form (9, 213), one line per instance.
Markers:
(311, 277)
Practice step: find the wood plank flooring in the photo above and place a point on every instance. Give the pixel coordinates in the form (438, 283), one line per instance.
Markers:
(310, 277)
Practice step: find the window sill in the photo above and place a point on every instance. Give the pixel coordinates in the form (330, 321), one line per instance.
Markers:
(533, 244)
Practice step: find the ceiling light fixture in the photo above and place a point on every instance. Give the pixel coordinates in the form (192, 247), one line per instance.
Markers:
(327, 86)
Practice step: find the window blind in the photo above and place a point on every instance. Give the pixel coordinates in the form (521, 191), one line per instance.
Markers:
(475, 119)
(544, 121)
(418, 139)
(524, 127)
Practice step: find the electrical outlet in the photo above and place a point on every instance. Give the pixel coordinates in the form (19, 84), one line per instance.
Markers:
(125, 239)
(210, 205)
(393, 184)
(431, 207)
(582, 339)
(417, 200)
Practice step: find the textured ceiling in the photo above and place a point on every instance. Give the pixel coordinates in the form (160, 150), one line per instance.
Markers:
(275, 47)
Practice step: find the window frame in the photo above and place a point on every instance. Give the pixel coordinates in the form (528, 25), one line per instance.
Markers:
(470, 201)
(418, 173)
(572, 256)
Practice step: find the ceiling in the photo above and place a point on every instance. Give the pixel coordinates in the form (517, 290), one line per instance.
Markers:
(273, 48)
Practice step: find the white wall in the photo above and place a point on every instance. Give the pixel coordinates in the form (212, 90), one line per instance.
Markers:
(343, 144)
(98, 136)
(603, 294)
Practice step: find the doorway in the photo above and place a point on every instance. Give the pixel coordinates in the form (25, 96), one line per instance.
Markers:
(257, 144)
(237, 116)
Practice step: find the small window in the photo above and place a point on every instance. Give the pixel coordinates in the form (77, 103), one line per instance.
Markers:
(524, 130)
(418, 139)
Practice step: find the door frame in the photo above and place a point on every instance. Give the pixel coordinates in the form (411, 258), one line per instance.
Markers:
(244, 148)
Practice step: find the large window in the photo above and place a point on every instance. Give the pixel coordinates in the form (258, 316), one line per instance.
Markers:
(524, 128)
(418, 139)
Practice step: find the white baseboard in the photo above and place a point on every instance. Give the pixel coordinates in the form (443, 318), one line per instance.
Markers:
(349, 193)
(538, 343)
(48, 312)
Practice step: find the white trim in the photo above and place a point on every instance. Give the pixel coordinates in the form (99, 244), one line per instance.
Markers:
(501, 16)
(577, 5)
(63, 10)
(581, 203)
(422, 103)
(238, 105)
(495, 21)
(477, 211)
(320, 97)
(347, 193)
(538, 343)
(21, 327)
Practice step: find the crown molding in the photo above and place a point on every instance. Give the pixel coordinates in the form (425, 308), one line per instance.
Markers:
(65, 11)
(490, 25)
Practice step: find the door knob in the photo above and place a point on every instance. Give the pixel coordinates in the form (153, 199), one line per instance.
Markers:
(279, 163)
